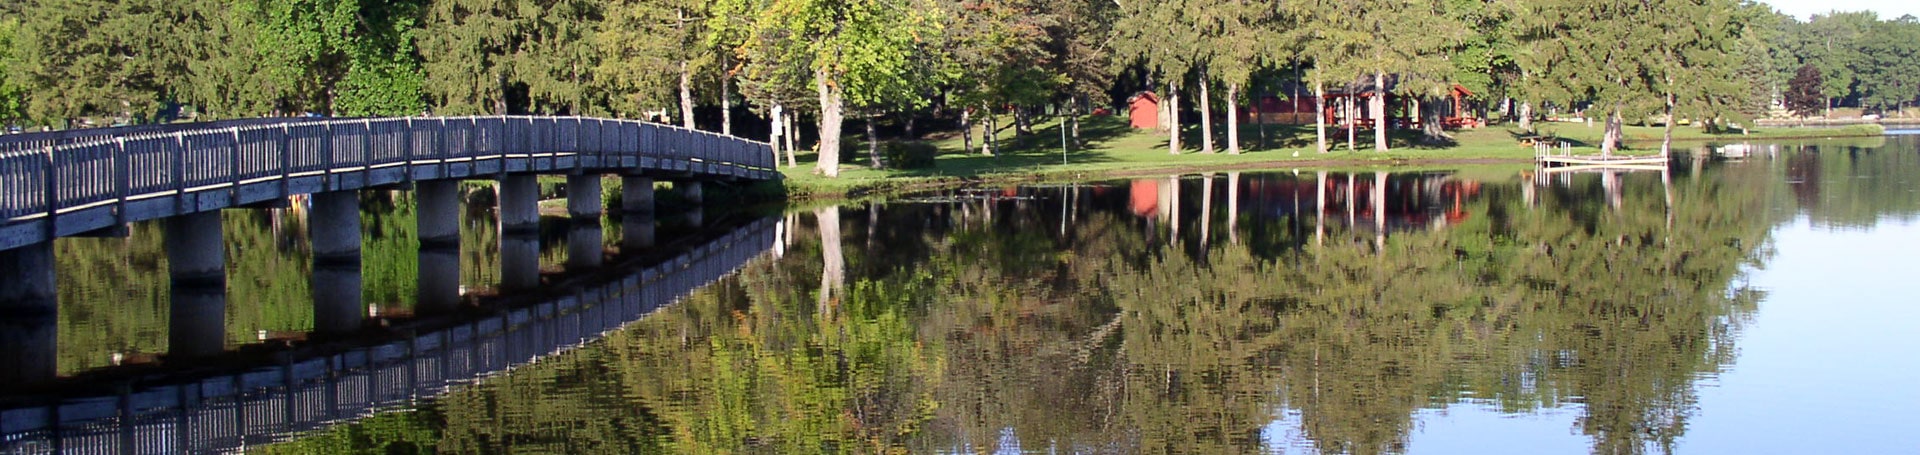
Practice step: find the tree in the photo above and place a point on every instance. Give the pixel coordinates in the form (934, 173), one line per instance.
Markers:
(1890, 74)
(1804, 93)
(467, 48)
(12, 95)
(1159, 36)
(89, 58)
(858, 52)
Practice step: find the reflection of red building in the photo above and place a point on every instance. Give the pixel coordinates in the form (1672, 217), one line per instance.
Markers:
(1143, 197)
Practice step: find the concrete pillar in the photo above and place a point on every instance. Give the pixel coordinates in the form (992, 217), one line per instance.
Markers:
(197, 321)
(692, 190)
(586, 245)
(636, 232)
(29, 309)
(519, 262)
(519, 197)
(29, 347)
(337, 303)
(438, 212)
(197, 262)
(636, 195)
(196, 249)
(697, 216)
(583, 196)
(27, 282)
(334, 225)
(439, 288)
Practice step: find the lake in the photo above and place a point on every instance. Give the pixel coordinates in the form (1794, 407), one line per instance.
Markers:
(1761, 303)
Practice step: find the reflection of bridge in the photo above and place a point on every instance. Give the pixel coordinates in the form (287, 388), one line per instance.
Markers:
(94, 182)
(306, 391)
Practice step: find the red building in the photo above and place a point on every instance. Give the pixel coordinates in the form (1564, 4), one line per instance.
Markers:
(1143, 110)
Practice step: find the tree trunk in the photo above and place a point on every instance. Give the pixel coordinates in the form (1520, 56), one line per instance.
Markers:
(988, 138)
(1233, 207)
(1380, 124)
(966, 129)
(1611, 140)
(774, 133)
(1073, 119)
(1352, 133)
(1022, 124)
(1206, 116)
(830, 116)
(792, 136)
(1173, 118)
(686, 96)
(1433, 128)
(1233, 118)
(873, 144)
(833, 270)
(1666, 139)
(1319, 117)
(726, 98)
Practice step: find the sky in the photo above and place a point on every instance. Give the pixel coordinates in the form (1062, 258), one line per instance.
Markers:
(1887, 9)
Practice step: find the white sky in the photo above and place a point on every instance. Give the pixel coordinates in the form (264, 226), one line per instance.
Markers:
(1887, 9)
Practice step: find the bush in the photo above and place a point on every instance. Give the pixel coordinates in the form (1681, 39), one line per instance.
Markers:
(909, 154)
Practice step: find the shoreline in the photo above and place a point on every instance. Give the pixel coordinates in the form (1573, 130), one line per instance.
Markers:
(813, 189)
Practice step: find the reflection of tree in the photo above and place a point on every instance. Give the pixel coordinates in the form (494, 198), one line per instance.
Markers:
(956, 330)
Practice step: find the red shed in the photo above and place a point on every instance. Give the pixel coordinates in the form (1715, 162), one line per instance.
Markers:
(1143, 110)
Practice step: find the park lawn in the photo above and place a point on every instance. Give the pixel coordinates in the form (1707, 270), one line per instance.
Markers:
(1113, 149)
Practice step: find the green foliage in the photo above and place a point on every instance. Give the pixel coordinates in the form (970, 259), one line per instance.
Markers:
(12, 95)
(909, 154)
(1804, 97)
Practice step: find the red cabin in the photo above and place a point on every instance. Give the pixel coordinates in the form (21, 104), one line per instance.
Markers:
(1143, 110)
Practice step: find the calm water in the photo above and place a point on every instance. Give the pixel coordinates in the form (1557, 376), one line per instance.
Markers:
(1758, 305)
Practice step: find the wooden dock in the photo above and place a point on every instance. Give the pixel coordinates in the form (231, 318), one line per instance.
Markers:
(1562, 158)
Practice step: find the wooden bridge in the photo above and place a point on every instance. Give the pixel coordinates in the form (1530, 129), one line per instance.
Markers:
(94, 182)
(73, 182)
(230, 410)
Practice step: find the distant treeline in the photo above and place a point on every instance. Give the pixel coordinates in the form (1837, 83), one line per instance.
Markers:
(133, 61)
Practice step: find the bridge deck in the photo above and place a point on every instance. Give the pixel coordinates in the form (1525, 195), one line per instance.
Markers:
(69, 183)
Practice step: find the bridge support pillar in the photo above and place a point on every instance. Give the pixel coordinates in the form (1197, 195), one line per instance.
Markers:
(439, 289)
(519, 203)
(693, 190)
(583, 196)
(519, 262)
(337, 301)
(29, 335)
(586, 244)
(196, 250)
(636, 195)
(438, 212)
(636, 232)
(197, 262)
(197, 321)
(334, 226)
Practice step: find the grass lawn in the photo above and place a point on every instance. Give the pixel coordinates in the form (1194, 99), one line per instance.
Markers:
(1111, 148)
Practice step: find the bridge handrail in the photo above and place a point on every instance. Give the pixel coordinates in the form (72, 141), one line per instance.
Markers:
(81, 171)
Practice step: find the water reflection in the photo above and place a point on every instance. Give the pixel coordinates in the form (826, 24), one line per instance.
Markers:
(1231, 313)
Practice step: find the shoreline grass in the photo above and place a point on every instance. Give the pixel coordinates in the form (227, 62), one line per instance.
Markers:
(1111, 150)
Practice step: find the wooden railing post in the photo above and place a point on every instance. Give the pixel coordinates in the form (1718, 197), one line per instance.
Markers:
(179, 172)
(51, 196)
(120, 180)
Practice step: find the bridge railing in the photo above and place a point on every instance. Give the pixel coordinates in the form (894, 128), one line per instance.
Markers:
(48, 175)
